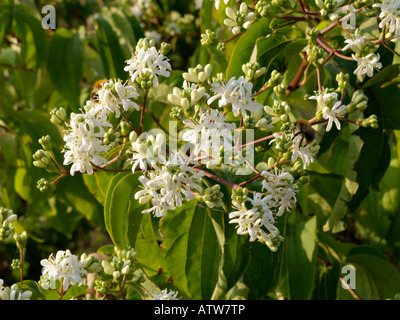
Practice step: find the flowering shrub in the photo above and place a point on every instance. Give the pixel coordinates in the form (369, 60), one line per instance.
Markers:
(200, 150)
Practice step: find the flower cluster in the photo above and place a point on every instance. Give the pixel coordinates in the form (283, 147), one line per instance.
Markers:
(209, 133)
(236, 93)
(148, 63)
(65, 266)
(167, 187)
(390, 15)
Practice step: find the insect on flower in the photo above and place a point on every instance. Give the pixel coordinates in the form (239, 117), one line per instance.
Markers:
(94, 95)
(302, 129)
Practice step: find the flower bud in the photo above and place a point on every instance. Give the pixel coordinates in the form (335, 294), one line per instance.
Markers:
(45, 141)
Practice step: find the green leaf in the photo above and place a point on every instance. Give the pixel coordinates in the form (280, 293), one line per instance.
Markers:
(349, 187)
(149, 252)
(122, 213)
(301, 257)
(244, 48)
(30, 285)
(376, 278)
(263, 262)
(112, 56)
(28, 27)
(386, 75)
(6, 18)
(97, 184)
(65, 64)
(192, 252)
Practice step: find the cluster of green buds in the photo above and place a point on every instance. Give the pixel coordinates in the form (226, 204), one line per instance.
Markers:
(220, 77)
(145, 79)
(165, 48)
(125, 128)
(283, 142)
(282, 110)
(249, 122)
(111, 138)
(21, 240)
(177, 113)
(262, 9)
(92, 264)
(209, 38)
(240, 194)
(316, 55)
(58, 116)
(275, 241)
(42, 159)
(312, 34)
(145, 43)
(120, 264)
(297, 169)
(343, 81)
(43, 184)
(366, 48)
(275, 79)
(371, 121)
(253, 70)
(7, 218)
(213, 196)
(359, 101)
(329, 8)
(186, 97)
(116, 267)
(263, 120)
(16, 264)
(280, 91)
(221, 46)
(45, 142)
(199, 75)
(240, 20)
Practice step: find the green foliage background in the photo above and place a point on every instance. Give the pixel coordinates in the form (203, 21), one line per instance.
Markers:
(349, 213)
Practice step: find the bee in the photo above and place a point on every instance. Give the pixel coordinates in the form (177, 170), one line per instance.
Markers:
(94, 95)
(302, 128)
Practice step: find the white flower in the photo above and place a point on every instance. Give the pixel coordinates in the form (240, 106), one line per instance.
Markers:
(390, 14)
(113, 95)
(14, 293)
(147, 150)
(355, 42)
(367, 64)
(281, 190)
(237, 93)
(255, 221)
(325, 98)
(303, 152)
(165, 295)
(331, 114)
(65, 266)
(209, 133)
(167, 187)
(84, 146)
(149, 60)
(240, 19)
